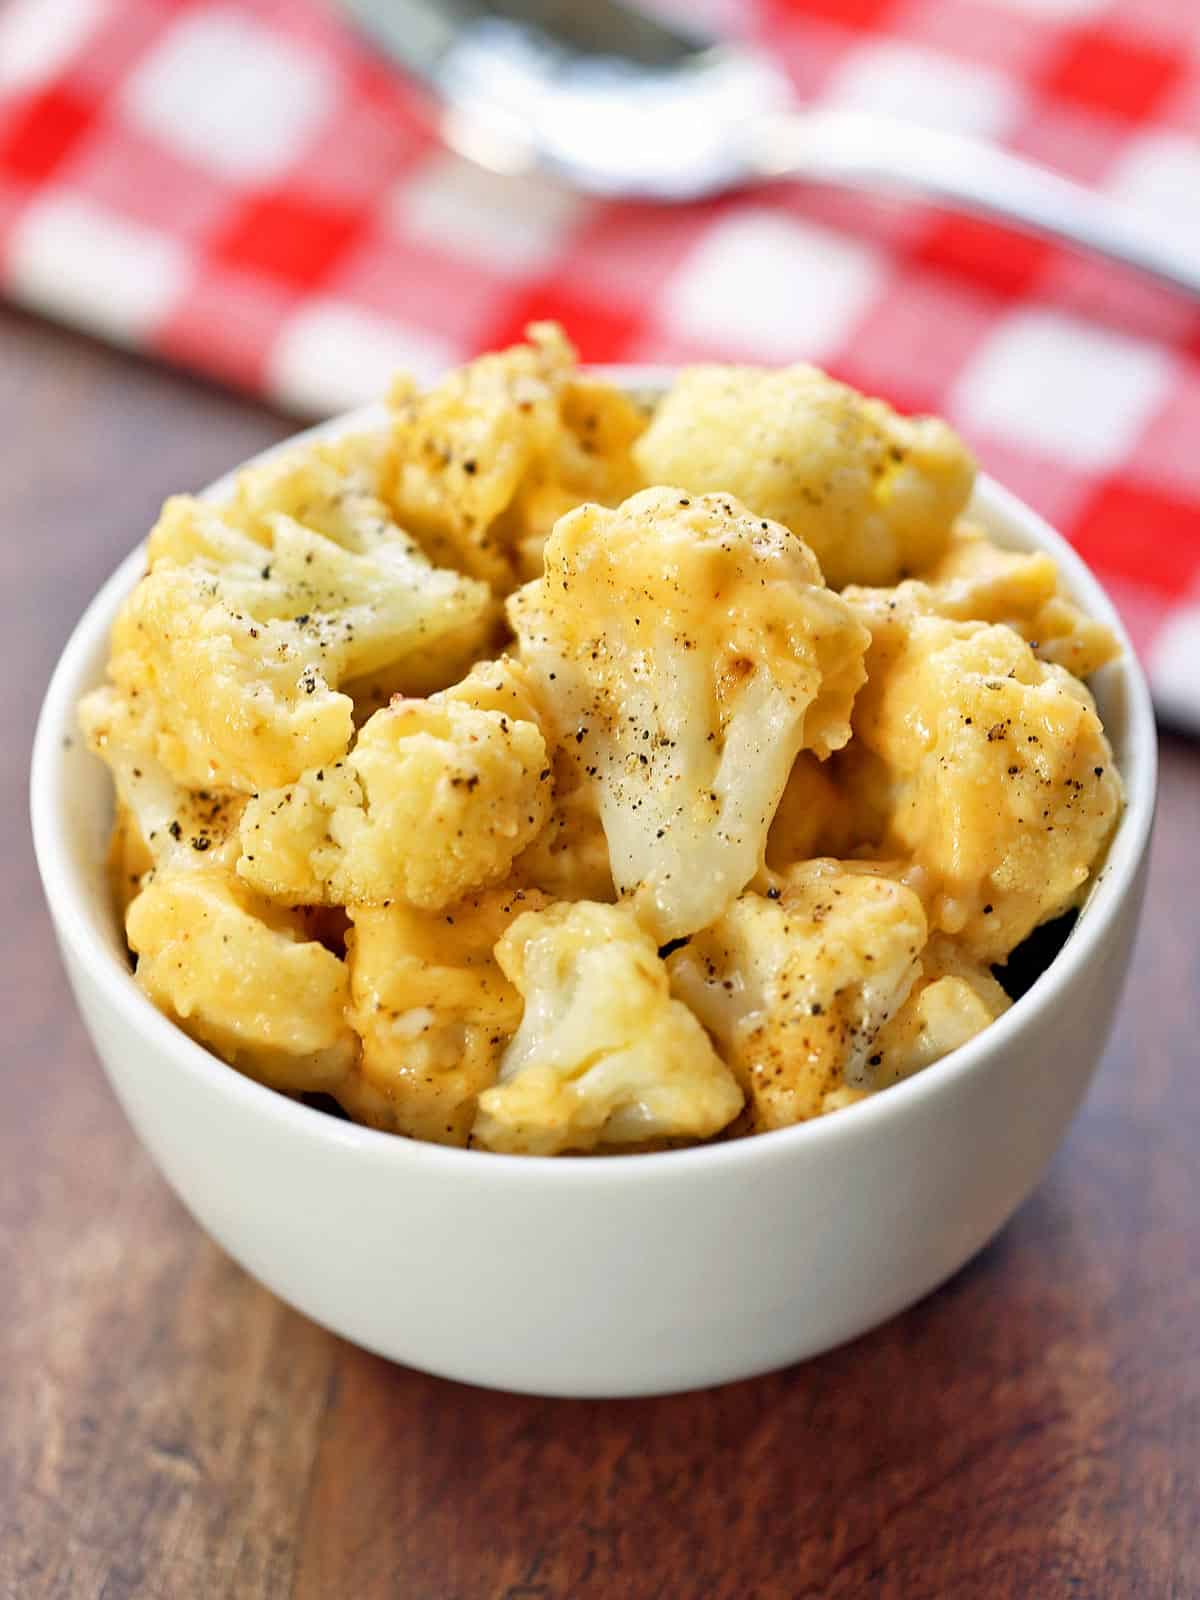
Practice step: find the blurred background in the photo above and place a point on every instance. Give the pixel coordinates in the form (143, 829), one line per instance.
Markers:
(247, 190)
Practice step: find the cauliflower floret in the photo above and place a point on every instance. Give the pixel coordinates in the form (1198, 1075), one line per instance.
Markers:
(288, 849)
(954, 999)
(241, 976)
(975, 580)
(814, 817)
(243, 630)
(242, 702)
(505, 686)
(994, 771)
(484, 463)
(433, 1011)
(358, 588)
(795, 989)
(330, 485)
(129, 860)
(685, 653)
(462, 450)
(591, 460)
(436, 798)
(603, 1055)
(158, 820)
(332, 488)
(874, 494)
(569, 857)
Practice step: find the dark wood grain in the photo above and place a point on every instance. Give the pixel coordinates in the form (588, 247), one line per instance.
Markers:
(169, 1429)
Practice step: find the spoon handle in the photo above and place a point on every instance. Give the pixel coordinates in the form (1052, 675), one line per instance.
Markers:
(859, 150)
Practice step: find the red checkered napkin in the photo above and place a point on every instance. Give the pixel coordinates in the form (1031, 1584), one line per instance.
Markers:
(242, 188)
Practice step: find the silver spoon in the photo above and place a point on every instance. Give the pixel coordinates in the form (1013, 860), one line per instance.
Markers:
(615, 103)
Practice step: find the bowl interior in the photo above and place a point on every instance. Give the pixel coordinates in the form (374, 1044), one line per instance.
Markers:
(71, 800)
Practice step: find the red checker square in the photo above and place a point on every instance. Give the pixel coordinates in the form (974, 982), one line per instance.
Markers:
(1001, 263)
(622, 252)
(871, 14)
(136, 177)
(1113, 72)
(11, 107)
(600, 332)
(916, 339)
(417, 285)
(1003, 37)
(1142, 535)
(43, 132)
(288, 238)
(226, 326)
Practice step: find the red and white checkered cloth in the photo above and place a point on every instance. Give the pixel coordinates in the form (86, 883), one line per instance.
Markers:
(242, 187)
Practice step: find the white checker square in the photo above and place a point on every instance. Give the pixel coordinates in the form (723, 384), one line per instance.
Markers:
(499, 222)
(771, 287)
(1174, 666)
(894, 79)
(1060, 386)
(224, 92)
(331, 356)
(38, 38)
(80, 264)
(1160, 172)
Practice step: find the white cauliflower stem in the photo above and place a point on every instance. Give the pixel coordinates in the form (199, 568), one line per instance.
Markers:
(686, 652)
(435, 799)
(603, 1054)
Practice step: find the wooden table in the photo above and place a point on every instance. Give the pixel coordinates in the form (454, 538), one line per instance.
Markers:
(168, 1429)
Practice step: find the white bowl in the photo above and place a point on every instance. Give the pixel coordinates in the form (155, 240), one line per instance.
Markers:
(629, 1274)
